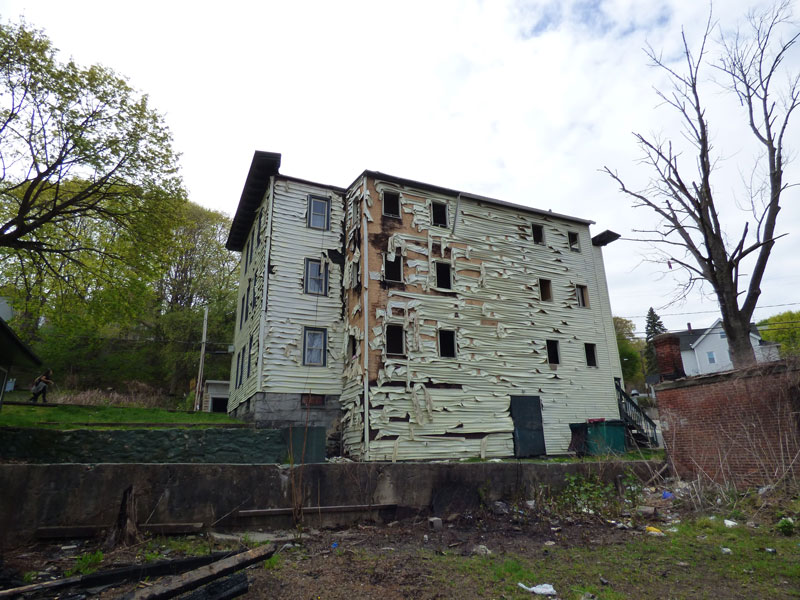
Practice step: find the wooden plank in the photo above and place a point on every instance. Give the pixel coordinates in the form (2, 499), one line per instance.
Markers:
(171, 528)
(232, 586)
(194, 579)
(119, 575)
(268, 512)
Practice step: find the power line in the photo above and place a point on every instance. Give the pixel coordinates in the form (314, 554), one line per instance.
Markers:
(705, 312)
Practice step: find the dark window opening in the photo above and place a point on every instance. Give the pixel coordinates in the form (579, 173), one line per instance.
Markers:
(443, 276)
(574, 244)
(319, 212)
(447, 343)
(545, 290)
(583, 295)
(538, 234)
(439, 214)
(393, 269)
(312, 399)
(591, 355)
(395, 340)
(219, 405)
(552, 352)
(391, 204)
(352, 346)
(249, 355)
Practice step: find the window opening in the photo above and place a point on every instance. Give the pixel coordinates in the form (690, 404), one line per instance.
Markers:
(312, 399)
(574, 243)
(447, 343)
(319, 210)
(538, 234)
(545, 290)
(241, 311)
(712, 358)
(443, 276)
(393, 269)
(316, 277)
(439, 214)
(258, 231)
(249, 355)
(314, 345)
(391, 204)
(395, 340)
(238, 361)
(552, 352)
(352, 346)
(583, 295)
(591, 355)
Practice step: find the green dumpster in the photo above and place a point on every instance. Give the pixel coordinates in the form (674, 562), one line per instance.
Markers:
(605, 437)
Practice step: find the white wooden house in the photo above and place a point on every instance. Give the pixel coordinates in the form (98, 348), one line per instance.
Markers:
(418, 321)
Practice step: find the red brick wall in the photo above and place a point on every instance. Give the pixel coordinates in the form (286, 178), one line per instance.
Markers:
(739, 427)
(668, 355)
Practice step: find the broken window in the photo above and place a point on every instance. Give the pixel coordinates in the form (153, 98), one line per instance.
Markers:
(591, 354)
(583, 295)
(391, 204)
(574, 244)
(447, 343)
(393, 269)
(316, 277)
(538, 234)
(315, 340)
(395, 340)
(443, 276)
(312, 399)
(352, 346)
(439, 214)
(552, 352)
(319, 212)
(545, 290)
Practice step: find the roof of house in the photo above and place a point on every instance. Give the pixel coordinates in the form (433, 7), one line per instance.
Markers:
(267, 164)
(689, 337)
(13, 351)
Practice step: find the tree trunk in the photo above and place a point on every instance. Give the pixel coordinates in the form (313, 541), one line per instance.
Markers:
(741, 350)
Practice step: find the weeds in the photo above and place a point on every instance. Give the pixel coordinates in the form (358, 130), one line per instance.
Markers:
(785, 526)
(86, 563)
(588, 495)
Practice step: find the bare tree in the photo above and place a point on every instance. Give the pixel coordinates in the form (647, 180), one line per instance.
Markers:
(689, 234)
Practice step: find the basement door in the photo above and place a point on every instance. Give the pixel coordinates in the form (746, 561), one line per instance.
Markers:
(526, 412)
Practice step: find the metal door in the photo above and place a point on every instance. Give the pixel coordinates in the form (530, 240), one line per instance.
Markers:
(526, 412)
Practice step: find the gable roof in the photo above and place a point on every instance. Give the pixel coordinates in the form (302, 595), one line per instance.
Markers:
(263, 166)
(690, 339)
(13, 351)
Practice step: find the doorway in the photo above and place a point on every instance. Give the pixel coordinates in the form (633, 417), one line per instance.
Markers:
(526, 413)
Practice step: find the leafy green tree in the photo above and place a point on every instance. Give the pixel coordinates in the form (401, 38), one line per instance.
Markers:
(629, 347)
(783, 328)
(653, 326)
(78, 146)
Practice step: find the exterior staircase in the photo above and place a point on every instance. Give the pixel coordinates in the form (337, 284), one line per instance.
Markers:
(641, 428)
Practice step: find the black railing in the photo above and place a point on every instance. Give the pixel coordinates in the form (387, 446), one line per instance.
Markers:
(634, 417)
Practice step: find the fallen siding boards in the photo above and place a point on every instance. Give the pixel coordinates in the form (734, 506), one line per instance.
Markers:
(494, 245)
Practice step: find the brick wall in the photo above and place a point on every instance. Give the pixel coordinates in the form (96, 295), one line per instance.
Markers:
(738, 427)
(668, 355)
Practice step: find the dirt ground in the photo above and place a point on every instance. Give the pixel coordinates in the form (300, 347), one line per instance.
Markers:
(584, 557)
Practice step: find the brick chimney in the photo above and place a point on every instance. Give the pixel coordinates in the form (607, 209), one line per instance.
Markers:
(668, 355)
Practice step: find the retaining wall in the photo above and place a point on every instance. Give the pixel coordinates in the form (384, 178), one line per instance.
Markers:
(36, 496)
(175, 445)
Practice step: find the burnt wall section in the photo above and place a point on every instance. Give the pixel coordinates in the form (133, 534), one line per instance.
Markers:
(739, 427)
(37, 496)
(212, 445)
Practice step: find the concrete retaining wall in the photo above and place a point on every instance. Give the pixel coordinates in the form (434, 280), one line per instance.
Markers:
(36, 496)
(210, 445)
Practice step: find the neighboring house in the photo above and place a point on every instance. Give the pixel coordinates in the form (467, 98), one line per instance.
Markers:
(706, 350)
(215, 396)
(13, 352)
(469, 326)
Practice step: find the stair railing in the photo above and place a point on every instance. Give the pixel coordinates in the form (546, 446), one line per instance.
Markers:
(634, 416)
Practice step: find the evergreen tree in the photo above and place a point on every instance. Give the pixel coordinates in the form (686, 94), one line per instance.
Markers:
(653, 326)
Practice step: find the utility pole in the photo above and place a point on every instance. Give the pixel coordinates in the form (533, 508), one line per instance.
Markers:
(198, 387)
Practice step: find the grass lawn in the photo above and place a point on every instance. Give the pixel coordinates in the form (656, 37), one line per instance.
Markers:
(73, 417)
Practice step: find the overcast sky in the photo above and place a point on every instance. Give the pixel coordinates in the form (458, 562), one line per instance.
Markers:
(524, 101)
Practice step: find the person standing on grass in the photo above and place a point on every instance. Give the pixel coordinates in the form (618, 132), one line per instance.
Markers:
(40, 386)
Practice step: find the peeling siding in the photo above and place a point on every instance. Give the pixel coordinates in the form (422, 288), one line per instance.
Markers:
(416, 407)
(288, 308)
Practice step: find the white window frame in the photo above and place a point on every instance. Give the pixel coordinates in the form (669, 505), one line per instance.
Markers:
(307, 333)
(326, 201)
(577, 246)
(323, 270)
